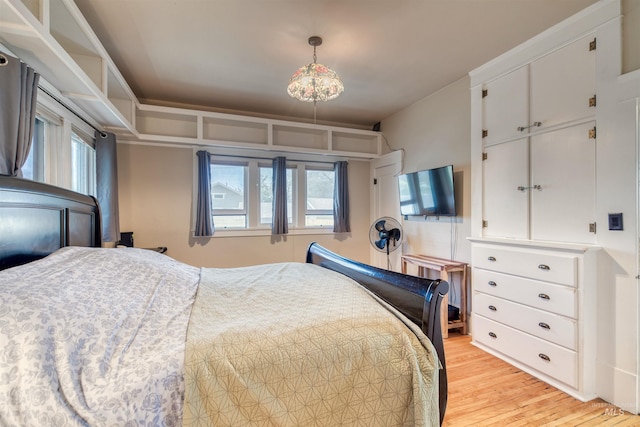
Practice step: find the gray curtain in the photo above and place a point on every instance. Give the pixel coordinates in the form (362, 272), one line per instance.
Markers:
(204, 219)
(341, 199)
(107, 185)
(18, 94)
(280, 223)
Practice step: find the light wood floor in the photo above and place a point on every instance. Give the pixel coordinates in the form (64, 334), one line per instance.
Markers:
(485, 391)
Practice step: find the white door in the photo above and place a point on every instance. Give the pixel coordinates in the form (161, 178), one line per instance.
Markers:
(505, 107)
(505, 201)
(563, 172)
(385, 201)
(562, 84)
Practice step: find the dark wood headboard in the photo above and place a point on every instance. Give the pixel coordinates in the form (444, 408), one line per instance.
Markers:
(37, 219)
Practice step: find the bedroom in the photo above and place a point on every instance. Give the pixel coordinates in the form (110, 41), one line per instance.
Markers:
(159, 178)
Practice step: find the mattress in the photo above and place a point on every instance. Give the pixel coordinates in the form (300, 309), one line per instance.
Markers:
(104, 337)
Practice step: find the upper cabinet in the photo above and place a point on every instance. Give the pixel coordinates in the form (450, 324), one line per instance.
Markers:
(538, 143)
(505, 106)
(534, 134)
(556, 89)
(563, 84)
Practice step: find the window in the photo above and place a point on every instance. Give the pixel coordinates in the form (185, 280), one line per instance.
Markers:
(34, 165)
(228, 195)
(319, 198)
(83, 164)
(242, 194)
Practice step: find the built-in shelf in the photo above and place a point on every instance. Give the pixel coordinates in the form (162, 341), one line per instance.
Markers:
(54, 38)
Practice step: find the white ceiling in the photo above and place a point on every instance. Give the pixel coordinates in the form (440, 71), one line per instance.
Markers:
(238, 55)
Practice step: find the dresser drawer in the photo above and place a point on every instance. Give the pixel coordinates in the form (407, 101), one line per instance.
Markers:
(543, 356)
(542, 324)
(534, 264)
(545, 296)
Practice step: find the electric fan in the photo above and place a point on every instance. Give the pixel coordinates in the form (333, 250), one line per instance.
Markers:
(385, 235)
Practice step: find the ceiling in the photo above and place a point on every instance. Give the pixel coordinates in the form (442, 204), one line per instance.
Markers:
(238, 55)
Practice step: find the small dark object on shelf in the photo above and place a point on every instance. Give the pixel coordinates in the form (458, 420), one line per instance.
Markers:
(454, 313)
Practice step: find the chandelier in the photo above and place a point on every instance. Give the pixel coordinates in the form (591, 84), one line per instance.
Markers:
(315, 82)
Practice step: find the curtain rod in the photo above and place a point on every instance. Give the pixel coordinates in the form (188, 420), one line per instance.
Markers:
(271, 158)
(59, 101)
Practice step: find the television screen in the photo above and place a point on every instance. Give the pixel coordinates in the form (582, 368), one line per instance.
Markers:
(428, 192)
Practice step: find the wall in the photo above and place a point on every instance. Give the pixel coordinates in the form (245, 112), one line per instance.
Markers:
(155, 196)
(435, 132)
(630, 36)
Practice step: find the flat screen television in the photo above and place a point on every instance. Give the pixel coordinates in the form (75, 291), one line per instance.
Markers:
(427, 193)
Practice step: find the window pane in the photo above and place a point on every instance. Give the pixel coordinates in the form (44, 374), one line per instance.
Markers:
(227, 187)
(319, 201)
(266, 195)
(230, 221)
(318, 220)
(83, 166)
(228, 195)
(34, 165)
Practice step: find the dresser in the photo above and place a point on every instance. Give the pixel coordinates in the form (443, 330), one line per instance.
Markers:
(534, 306)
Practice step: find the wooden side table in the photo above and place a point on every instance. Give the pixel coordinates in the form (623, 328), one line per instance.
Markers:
(444, 267)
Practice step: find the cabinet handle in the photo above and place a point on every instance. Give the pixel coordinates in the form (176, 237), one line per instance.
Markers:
(492, 335)
(533, 187)
(544, 325)
(544, 296)
(544, 357)
(492, 258)
(492, 283)
(533, 125)
(493, 308)
(544, 267)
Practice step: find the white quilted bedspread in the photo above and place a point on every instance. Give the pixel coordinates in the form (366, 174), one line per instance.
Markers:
(298, 345)
(94, 337)
(104, 337)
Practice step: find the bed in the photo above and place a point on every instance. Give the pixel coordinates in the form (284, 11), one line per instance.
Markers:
(98, 336)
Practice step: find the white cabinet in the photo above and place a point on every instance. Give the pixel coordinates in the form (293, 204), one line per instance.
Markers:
(505, 208)
(533, 307)
(563, 177)
(563, 83)
(505, 106)
(538, 142)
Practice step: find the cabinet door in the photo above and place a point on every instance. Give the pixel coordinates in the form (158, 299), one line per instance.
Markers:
(505, 208)
(506, 106)
(563, 166)
(562, 83)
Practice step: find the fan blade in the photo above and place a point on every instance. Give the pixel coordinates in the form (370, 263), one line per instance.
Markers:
(380, 244)
(395, 234)
(380, 225)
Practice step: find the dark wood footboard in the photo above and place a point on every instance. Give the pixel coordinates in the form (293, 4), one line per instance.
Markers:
(419, 299)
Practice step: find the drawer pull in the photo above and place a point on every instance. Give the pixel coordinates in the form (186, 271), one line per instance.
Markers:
(492, 283)
(492, 335)
(544, 267)
(544, 357)
(493, 308)
(544, 296)
(544, 325)
(491, 258)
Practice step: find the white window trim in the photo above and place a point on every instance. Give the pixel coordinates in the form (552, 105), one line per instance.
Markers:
(253, 205)
(61, 123)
